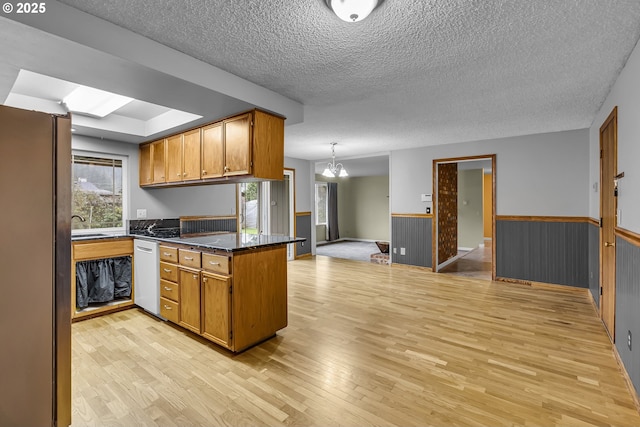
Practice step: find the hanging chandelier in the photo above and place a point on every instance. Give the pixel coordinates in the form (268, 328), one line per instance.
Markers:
(334, 169)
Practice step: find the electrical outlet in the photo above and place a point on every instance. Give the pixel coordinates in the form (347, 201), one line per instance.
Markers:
(403, 251)
(141, 214)
(629, 340)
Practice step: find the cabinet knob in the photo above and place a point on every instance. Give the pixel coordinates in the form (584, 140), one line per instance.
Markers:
(184, 174)
(195, 276)
(204, 172)
(226, 169)
(204, 279)
(178, 174)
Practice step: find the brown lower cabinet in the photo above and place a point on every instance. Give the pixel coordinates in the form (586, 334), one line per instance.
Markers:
(234, 299)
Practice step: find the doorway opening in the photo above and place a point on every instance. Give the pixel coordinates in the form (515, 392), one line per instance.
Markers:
(268, 207)
(464, 200)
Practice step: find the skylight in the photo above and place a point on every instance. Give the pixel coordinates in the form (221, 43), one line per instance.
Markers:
(96, 112)
(94, 102)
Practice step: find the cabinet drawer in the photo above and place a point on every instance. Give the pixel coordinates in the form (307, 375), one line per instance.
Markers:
(215, 263)
(169, 310)
(169, 271)
(169, 290)
(189, 258)
(168, 254)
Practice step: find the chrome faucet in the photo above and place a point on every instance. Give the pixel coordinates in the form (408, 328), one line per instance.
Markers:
(81, 218)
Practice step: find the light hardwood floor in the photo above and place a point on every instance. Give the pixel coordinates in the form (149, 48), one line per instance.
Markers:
(366, 345)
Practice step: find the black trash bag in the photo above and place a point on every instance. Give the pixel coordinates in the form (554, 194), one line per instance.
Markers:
(100, 280)
(122, 276)
(82, 286)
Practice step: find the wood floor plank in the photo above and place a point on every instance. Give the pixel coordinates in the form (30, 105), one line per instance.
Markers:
(366, 345)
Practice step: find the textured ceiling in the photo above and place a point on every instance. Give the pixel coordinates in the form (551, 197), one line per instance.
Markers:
(414, 73)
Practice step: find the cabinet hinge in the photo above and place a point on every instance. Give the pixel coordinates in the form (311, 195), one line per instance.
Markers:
(230, 289)
(600, 222)
(230, 334)
(600, 153)
(251, 123)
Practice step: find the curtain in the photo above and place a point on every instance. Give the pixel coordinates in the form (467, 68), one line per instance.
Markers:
(332, 211)
(102, 280)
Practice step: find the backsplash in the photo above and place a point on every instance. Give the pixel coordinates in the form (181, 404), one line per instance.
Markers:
(175, 227)
(155, 227)
(204, 225)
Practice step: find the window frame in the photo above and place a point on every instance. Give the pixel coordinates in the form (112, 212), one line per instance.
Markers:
(125, 191)
(315, 202)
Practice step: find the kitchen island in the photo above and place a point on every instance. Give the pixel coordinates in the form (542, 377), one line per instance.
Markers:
(230, 288)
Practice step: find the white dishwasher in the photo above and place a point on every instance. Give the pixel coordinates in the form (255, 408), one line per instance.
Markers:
(146, 266)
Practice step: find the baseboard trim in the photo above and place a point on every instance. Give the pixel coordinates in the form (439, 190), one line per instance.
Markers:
(627, 378)
(411, 267)
(542, 285)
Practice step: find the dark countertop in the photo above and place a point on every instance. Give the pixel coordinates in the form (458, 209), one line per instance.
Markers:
(230, 242)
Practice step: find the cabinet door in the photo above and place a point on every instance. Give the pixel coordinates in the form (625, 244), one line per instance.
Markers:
(237, 145)
(216, 302)
(158, 153)
(189, 285)
(191, 155)
(146, 170)
(174, 158)
(212, 151)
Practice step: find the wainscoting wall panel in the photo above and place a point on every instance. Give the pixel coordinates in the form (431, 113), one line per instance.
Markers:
(412, 232)
(594, 262)
(628, 307)
(303, 229)
(549, 251)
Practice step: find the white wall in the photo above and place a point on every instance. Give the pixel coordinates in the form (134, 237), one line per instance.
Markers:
(174, 202)
(470, 208)
(539, 175)
(625, 94)
(367, 208)
(304, 183)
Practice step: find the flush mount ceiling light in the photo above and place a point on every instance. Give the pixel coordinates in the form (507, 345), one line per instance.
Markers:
(332, 170)
(352, 10)
(94, 102)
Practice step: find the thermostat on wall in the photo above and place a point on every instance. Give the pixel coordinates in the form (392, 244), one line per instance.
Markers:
(425, 198)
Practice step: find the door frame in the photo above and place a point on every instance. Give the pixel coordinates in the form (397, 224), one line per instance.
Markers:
(434, 221)
(291, 247)
(611, 118)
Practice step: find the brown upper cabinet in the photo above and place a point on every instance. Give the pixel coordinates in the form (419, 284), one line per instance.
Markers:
(213, 151)
(245, 146)
(158, 156)
(183, 157)
(146, 171)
